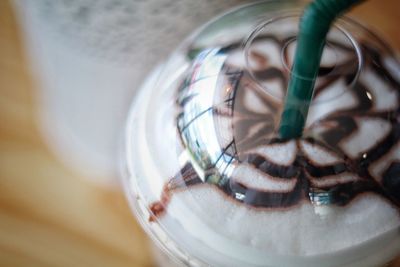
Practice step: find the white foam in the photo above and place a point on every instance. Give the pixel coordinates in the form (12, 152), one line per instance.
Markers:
(334, 179)
(269, 50)
(330, 56)
(264, 236)
(318, 155)
(282, 154)
(332, 99)
(255, 179)
(370, 131)
(384, 97)
(254, 103)
(272, 54)
(377, 168)
(274, 88)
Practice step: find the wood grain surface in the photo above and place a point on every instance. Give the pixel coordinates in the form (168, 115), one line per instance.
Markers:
(49, 215)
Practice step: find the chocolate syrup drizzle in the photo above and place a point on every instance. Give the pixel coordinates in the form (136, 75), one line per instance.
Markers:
(301, 169)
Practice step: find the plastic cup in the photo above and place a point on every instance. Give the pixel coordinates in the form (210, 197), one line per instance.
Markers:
(88, 57)
(213, 184)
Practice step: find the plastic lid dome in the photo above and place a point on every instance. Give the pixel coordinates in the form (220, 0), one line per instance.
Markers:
(212, 181)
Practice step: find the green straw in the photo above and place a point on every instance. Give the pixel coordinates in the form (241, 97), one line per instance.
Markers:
(314, 27)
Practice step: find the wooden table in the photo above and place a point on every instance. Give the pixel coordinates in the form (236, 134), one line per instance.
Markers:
(49, 215)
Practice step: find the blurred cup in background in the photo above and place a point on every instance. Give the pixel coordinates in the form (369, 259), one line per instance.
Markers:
(88, 57)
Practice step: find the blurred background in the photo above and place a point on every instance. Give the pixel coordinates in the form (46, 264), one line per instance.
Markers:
(49, 214)
(68, 70)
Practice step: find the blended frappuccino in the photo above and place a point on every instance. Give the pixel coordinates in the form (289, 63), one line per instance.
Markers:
(211, 178)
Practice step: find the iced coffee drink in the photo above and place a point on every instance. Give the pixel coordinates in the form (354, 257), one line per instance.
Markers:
(214, 184)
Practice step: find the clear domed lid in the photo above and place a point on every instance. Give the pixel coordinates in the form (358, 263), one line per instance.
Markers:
(210, 177)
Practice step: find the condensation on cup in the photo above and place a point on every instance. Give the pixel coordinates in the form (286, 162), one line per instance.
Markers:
(88, 57)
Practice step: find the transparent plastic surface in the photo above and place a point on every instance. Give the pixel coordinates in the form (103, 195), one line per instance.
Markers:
(213, 183)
